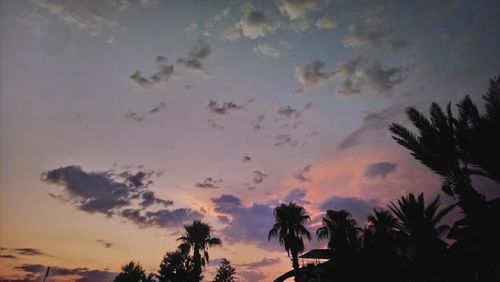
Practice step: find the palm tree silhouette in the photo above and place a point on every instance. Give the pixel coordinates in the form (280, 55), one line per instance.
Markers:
(341, 231)
(421, 225)
(198, 237)
(383, 222)
(290, 230)
(131, 272)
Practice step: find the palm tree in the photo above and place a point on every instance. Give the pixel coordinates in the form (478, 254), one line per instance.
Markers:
(383, 222)
(290, 230)
(421, 225)
(341, 231)
(131, 272)
(197, 237)
(418, 220)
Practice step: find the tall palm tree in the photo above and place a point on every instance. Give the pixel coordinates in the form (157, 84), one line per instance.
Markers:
(290, 230)
(197, 237)
(340, 229)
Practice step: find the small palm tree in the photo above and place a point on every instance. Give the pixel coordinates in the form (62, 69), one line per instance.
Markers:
(131, 272)
(197, 237)
(341, 231)
(382, 222)
(290, 230)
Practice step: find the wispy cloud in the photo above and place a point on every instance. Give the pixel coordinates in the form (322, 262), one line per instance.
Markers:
(209, 183)
(224, 108)
(165, 73)
(198, 52)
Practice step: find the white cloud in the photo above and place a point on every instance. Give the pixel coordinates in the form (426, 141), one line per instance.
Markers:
(327, 22)
(297, 9)
(268, 50)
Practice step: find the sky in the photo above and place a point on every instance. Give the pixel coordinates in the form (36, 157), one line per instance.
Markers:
(121, 121)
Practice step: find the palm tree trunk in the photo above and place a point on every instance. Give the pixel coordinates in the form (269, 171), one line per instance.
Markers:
(295, 264)
(197, 261)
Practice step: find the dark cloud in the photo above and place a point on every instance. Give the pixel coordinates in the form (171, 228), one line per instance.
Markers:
(358, 208)
(116, 194)
(165, 72)
(35, 272)
(255, 23)
(258, 177)
(296, 195)
(7, 257)
(158, 108)
(198, 52)
(381, 169)
(257, 123)
(285, 139)
(372, 121)
(92, 191)
(149, 199)
(134, 116)
(303, 174)
(261, 263)
(29, 252)
(248, 224)
(105, 244)
(214, 125)
(288, 111)
(161, 218)
(209, 183)
(246, 159)
(223, 219)
(223, 109)
(311, 74)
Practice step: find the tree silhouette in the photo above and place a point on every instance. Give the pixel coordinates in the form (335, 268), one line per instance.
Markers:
(131, 272)
(341, 231)
(225, 272)
(290, 230)
(177, 267)
(197, 237)
(421, 225)
(456, 148)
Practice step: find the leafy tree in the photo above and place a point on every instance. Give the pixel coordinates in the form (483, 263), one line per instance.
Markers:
(225, 272)
(177, 267)
(197, 237)
(131, 272)
(290, 230)
(341, 231)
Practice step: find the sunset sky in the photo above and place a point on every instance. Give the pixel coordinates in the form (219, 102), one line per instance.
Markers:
(123, 120)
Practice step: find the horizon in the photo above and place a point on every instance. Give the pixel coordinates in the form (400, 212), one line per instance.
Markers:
(122, 121)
